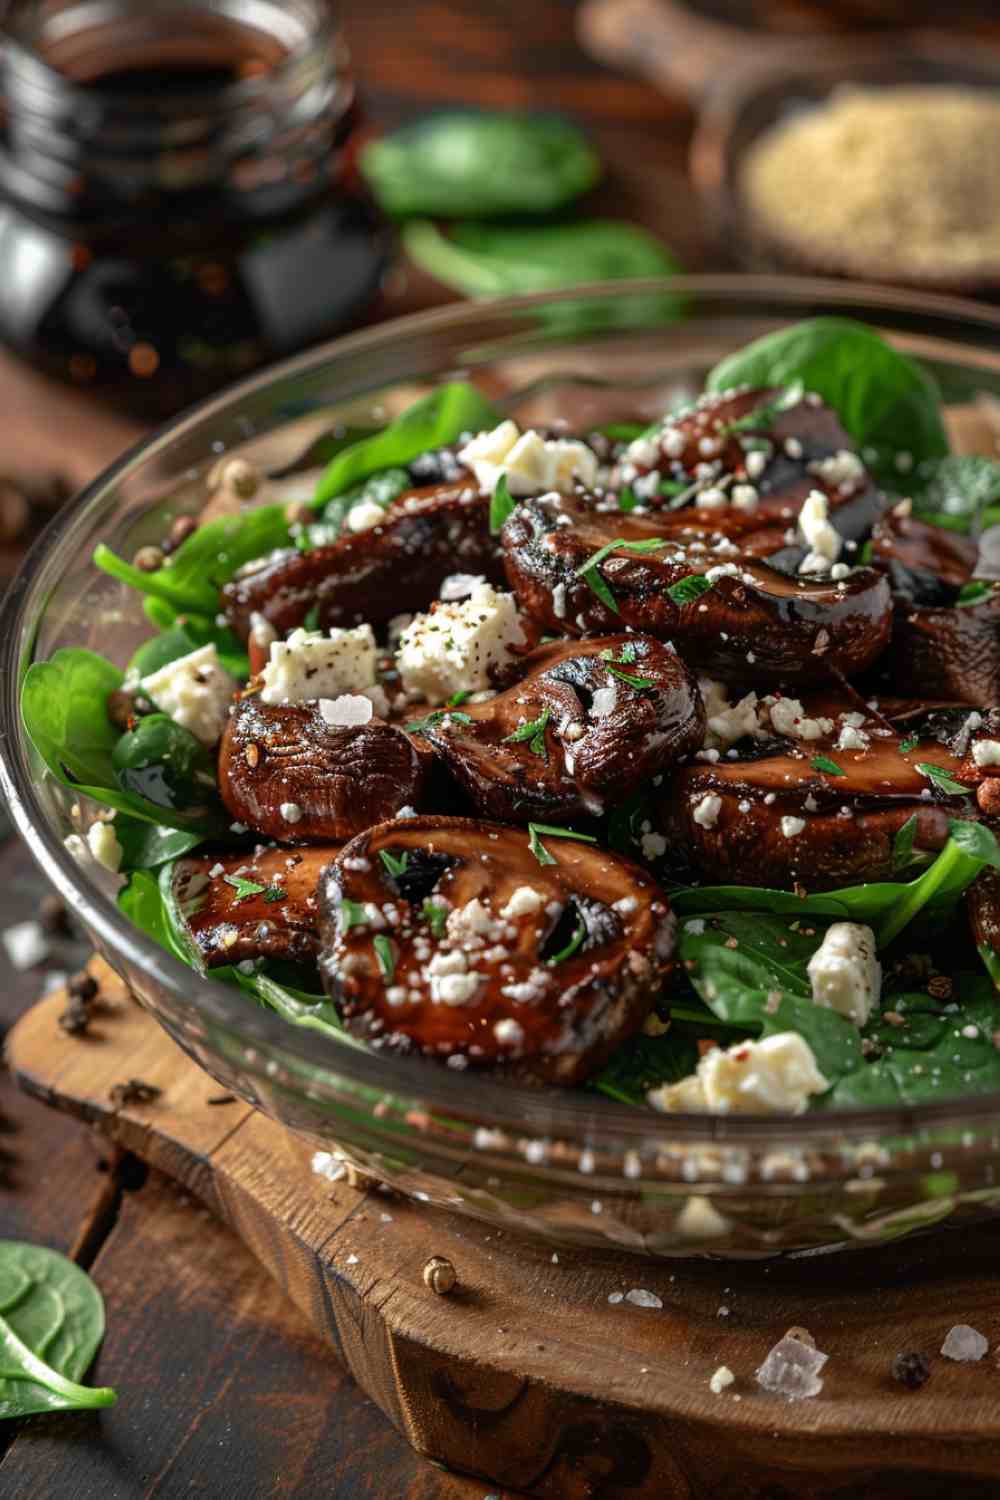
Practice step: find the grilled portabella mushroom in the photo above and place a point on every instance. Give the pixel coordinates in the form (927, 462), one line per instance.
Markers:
(782, 455)
(587, 724)
(264, 905)
(753, 622)
(943, 645)
(813, 812)
(448, 936)
(394, 567)
(284, 771)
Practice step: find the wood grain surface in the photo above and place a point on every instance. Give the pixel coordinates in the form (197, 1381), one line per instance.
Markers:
(527, 1374)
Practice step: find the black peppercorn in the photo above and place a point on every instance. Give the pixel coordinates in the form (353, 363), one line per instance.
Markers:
(911, 1370)
(83, 987)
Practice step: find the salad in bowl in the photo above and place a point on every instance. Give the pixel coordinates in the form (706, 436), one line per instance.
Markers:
(659, 760)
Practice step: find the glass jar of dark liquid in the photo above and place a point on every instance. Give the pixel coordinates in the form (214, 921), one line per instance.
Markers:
(177, 200)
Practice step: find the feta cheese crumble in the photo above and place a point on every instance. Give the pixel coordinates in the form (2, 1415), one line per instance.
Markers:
(532, 464)
(707, 810)
(457, 646)
(844, 972)
(313, 665)
(346, 711)
(986, 752)
(774, 1076)
(195, 691)
(823, 539)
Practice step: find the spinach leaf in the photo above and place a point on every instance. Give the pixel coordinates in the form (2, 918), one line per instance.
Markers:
(186, 634)
(499, 260)
(63, 706)
(888, 906)
(750, 970)
(146, 846)
(437, 419)
(958, 492)
(930, 1056)
(51, 1324)
(190, 579)
(163, 763)
(646, 1062)
(885, 399)
(463, 162)
(380, 489)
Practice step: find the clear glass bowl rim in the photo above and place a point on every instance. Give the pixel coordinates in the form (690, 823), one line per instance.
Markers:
(559, 1114)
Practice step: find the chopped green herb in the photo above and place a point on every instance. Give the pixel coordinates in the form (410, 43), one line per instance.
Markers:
(244, 888)
(575, 942)
(539, 850)
(624, 658)
(385, 955)
(627, 499)
(436, 916)
(974, 592)
(904, 852)
(352, 914)
(311, 621)
(393, 865)
(674, 487)
(589, 570)
(910, 743)
(303, 541)
(764, 415)
(687, 590)
(827, 766)
(275, 893)
(942, 780)
(639, 683)
(501, 506)
(533, 732)
(458, 698)
(417, 726)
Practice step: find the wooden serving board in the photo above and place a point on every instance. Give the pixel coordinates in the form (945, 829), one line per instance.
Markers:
(526, 1374)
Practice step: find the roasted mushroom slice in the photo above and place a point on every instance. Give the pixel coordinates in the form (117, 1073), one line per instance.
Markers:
(586, 724)
(260, 905)
(580, 572)
(451, 937)
(983, 904)
(389, 569)
(287, 772)
(743, 462)
(946, 624)
(819, 797)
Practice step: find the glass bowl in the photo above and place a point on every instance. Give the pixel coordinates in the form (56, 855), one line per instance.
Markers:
(572, 1167)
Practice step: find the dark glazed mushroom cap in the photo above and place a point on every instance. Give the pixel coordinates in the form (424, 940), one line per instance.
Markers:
(287, 773)
(393, 568)
(754, 623)
(983, 905)
(780, 814)
(438, 935)
(229, 921)
(586, 724)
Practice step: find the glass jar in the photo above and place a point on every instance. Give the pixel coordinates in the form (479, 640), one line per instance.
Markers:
(177, 198)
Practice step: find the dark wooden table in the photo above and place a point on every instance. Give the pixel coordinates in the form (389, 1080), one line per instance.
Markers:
(224, 1391)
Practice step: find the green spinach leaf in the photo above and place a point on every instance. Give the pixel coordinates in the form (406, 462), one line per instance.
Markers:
(146, 846)
(63, 705)
(885, 399)
(51, 1324)
(186, 634)
(433, 421)
(463, 163)
(958, 492)
(380, 489)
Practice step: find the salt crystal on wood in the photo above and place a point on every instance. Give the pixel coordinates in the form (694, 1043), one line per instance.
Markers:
(964, 1343)
(643, 1298)
(791, 1369)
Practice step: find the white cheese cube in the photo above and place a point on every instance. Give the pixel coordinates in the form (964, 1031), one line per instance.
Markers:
(775, 1076)
(195, 691)
(824, 539)
(844, 972)
(531, 463)
(454, 648)
(313, 665)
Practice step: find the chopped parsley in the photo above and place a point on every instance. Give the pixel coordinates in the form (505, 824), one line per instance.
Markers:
(538, 849)
(574, 944)
(311, 621)
(385, 955)
(974, 592)
(501, 506)
(244, 888)
(352, 914)
(393, 865)
(627, 499)
(625, 657)
(436, 916)
(910, 743)
(275, 893)
(417, 726)
(827, 766)
(533, 732)
(589, 571)
(639, 683)
(687, 590)
(942, 780)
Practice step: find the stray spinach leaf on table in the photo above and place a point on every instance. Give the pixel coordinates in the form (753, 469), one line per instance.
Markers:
(51, 1324)
(465, 163)
(885, 400)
